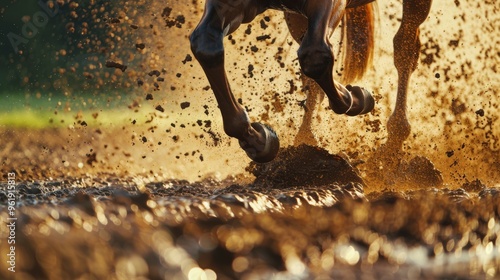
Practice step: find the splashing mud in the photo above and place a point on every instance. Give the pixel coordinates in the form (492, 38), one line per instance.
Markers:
(140, 180)
(304, 166)
(172, 229)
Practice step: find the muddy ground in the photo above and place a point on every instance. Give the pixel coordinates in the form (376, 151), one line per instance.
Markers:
(307, 215)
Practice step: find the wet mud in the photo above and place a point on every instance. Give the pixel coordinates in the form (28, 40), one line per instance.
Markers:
(174, 230)
(303, 166)
(164, 194)
(307, 215)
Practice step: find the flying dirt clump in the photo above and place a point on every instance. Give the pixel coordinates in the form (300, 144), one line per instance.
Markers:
(304, 166)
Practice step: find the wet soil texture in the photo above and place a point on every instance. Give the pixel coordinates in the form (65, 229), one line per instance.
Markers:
(305, 216)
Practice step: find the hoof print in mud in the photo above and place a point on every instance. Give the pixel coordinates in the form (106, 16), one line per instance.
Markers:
(304, 166)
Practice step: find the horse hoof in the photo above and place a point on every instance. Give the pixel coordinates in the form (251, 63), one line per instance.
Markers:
(270, 148)
(365, 104)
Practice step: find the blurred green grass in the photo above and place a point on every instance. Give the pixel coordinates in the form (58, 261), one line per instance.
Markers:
(39, 120)
(18, 110)
(25, 119)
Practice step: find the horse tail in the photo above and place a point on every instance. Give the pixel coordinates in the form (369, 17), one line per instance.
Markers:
(358, 29)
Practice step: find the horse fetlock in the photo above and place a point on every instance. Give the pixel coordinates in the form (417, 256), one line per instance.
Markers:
(340, 107)
(363, 101)
(238, 127)
(398, 127)
(342, 102)
(261, 146)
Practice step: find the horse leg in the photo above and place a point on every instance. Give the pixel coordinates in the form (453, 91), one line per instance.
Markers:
(297, 25)
(316, 58)
(305, 134)
(406, 53)
(386, 162)
(259, 142)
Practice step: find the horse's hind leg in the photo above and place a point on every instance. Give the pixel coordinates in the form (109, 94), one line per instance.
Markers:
(297, 25)
(406, 53)
(259, 142)
(316, 58)
(387, 160)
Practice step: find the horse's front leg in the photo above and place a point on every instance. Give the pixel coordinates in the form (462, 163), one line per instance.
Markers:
(316, 58)
(259, 141)
(406, 53)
